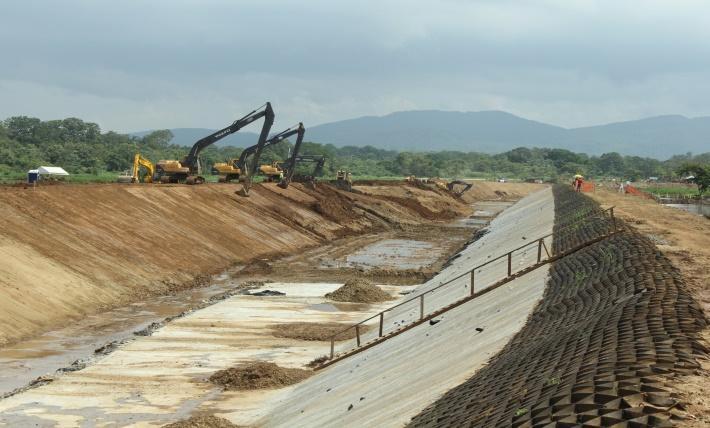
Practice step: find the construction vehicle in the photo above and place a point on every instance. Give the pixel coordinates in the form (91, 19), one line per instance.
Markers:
(272, 172)
(440, 183)
(138, 162)
(189, 170)
(458, 191)
(309, 179)
(343, 180)
(233, 169)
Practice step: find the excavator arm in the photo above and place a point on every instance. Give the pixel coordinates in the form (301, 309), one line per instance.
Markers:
(281, 136)
(250, 169)
(191, 160)
(290, 164)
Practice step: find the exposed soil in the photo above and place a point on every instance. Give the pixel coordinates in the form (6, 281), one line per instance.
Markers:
(258, 375)
(487, 190)
(359, 291)
(73, 250)
(316, 331)
(204, 421)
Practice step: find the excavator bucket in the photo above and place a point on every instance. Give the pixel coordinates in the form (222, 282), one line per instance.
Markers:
(246, 185)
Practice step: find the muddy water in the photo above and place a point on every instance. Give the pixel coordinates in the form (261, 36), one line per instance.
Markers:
(390, 253)
(693, 208)
(43, 355)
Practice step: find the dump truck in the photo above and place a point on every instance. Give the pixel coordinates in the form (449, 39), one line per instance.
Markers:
(189, 170)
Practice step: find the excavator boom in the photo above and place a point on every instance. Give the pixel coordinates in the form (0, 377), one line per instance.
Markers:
(188, 170)
(191, 160)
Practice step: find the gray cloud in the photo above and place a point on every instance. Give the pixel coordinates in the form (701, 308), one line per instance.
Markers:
(148, 64)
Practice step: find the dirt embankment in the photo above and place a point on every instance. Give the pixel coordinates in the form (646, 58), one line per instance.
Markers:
(489, 190)
(68, 251)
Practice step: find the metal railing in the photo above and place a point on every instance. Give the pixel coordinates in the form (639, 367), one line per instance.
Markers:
(455, 291)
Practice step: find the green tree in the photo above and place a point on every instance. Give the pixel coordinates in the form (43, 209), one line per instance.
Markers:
(700, 175)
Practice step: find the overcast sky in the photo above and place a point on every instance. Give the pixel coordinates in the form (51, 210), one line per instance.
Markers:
(134, 65)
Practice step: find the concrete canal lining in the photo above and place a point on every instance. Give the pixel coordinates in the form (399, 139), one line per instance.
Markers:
(391, 382)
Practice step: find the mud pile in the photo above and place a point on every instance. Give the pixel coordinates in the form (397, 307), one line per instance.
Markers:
(359, 291)
(204, 421)
(258, 375)
(315, 331)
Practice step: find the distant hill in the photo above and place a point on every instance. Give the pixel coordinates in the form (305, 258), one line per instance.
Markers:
(494, 132)
(188, 137)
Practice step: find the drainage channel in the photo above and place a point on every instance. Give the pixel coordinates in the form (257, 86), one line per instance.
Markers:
(28, 363)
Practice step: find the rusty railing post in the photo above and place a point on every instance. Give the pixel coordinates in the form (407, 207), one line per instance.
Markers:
(332, 347)
(357, 334)
(421, 306)
(510, 262)
(472, 275)
(539, 250)
(382, 321)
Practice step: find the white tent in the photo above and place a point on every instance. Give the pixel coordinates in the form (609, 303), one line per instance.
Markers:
(51, 170)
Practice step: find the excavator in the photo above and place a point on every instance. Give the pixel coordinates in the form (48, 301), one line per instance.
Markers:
(232, 169)
(138, 162)
(189, 170)
(290, 168)
(454, 187)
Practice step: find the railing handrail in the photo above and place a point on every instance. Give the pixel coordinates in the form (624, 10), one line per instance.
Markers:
(538, 241)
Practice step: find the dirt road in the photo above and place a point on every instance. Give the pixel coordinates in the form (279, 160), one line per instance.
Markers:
(685, 239)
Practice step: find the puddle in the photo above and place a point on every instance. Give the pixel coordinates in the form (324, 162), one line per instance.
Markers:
(338, 307)
(324, 307)
(398, 254)
(692, 208)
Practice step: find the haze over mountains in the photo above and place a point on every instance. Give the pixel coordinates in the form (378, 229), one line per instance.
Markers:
(493, 132)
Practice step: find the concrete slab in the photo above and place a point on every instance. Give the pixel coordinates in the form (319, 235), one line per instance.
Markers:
(161, 378)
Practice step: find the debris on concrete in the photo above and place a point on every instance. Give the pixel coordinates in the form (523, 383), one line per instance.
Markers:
(316, 331)
(258, 375)
(202, 421)
(359, 291)
(268, 293)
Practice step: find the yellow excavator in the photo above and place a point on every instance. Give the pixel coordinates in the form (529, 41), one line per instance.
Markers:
(272, 172)
(138, 162)
(234, 169)
(189, 170)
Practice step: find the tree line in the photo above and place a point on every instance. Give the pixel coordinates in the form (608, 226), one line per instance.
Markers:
(81, 147)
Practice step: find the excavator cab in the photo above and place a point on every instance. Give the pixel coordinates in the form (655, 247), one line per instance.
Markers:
(227, 171)
(272, 172)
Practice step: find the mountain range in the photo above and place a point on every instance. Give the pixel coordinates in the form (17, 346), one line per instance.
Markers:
(492, 132)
